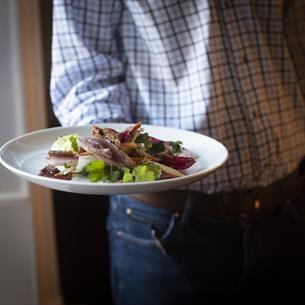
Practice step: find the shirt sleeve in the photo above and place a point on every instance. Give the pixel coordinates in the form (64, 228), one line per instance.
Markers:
(87, 78)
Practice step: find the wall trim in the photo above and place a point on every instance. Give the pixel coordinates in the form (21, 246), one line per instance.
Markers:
(33, 83)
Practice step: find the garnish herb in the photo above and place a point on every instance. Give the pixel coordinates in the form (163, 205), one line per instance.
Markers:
(67, 165)
(143, 138)
(156, 148)
(73, 140)
(176, 147)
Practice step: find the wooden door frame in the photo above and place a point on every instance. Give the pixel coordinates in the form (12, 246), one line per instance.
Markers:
(34, 93)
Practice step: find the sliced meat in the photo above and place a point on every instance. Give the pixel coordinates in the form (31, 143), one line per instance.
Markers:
(60, 158)
(106, 151)
(107, 133)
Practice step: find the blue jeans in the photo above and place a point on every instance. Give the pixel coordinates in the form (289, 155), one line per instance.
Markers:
(161, 258)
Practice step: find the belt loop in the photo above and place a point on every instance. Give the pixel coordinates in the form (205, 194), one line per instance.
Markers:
(191, 198)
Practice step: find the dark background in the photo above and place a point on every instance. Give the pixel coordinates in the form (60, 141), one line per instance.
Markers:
(79, 219)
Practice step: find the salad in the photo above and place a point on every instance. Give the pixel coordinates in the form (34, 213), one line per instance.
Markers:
(107, 155)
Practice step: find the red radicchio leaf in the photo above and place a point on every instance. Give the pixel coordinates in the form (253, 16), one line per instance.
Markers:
(125, 136)
(177, 162)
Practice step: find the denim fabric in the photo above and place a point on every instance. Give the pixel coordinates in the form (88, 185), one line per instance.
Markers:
(156, 258)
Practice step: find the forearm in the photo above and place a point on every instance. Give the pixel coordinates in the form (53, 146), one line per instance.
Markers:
(87, 81)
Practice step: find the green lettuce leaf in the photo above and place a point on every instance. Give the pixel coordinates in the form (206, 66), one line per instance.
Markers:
(127, 176)
(141, 173)
(97, 171)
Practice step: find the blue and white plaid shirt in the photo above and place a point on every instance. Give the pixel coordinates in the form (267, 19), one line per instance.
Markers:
(232, 70)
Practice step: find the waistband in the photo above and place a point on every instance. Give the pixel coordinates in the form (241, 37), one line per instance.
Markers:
(236, 204)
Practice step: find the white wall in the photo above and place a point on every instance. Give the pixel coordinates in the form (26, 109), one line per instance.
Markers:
(18, 283)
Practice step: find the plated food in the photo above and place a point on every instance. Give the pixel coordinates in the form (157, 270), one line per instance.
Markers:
(26, 155)
(108, 155)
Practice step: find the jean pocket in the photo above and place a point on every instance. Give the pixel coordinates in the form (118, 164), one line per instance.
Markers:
(147, 227)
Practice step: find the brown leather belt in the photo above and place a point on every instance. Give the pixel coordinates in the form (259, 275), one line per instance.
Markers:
(232, 205)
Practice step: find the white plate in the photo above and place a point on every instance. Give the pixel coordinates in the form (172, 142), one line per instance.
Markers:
(25, 156)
